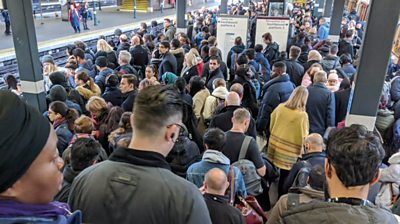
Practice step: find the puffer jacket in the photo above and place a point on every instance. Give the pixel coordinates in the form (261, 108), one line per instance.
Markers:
(390, 179)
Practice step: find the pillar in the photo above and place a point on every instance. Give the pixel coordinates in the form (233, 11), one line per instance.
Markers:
(375, 56)
(328, 9)
(336, 20)
(180, 16)
(26, 50)
(224, 7)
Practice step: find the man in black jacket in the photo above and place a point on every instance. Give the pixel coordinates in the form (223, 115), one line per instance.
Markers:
(128, 88)
(168, 63)
(84, 153)
(223, 120)
(215, 185)
(293, 68)
(140, 55)
(346, 44)
(124, 58)
(123, 44)
(271, 51)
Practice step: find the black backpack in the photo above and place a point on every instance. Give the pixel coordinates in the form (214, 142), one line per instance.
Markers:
(184, 153)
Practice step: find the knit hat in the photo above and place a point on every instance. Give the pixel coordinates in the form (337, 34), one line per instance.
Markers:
(314, 55)
(58, 78)
(57, 93)
(24, 134)
(220, 92)
(48, 59)
(101, 61)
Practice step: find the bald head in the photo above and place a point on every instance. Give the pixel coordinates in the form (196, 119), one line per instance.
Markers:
(135, 40)
(216, 181)
(238, 88)
(232, 99)
(314, 143)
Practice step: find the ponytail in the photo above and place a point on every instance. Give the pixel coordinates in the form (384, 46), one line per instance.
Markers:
(91, 83)
(70, 117)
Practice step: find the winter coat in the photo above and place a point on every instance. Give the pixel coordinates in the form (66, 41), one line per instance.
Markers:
(188, 73)
(260, 59)
(320, 108)
(180, 57)
(140, 56)
(323, 32)
(249, 99)
(341, 101)
(129, 100)
(384, 119)
(231, 64)
(214, 159)
(221, 211)
(335, 213)
(395, 89)
(288, 130)
(212, 102)
(123, 47)
(69, 176)
(112, 59)
(113, 95)
(101, 78)
(168, 64)
(295, 71)
(313, 158)
(170, 33)
(137, 180)
(222, 67)
(346, 47)
(223, 121)
(86, 93)
(390, 179)
(349, 70)
(271, 52)
(199, 100)
(211, 77)
(64, 136)
(330, 62)
(276, 91)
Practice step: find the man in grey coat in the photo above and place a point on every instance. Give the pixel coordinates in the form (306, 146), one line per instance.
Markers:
(136, 185)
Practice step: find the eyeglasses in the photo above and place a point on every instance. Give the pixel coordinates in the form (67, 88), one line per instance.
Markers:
(182, 128)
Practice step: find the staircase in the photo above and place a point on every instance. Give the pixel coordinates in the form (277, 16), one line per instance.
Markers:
(141, 5)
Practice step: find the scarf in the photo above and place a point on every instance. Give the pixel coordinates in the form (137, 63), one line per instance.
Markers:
(12, 209)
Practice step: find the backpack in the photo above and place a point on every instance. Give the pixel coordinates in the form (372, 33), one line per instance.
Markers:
(184, 153)
(251, 179)
(234, 57)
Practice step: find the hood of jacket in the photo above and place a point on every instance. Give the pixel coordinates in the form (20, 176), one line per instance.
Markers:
(238, 49)
(395, 158)
(281, 78)
(69, 173)
(177, 51)
(214, 156)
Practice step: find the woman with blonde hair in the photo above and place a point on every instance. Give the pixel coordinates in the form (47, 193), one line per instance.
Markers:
(309, 75)
(190, 66)
(289, 127)
(104, 49)
(313, 57)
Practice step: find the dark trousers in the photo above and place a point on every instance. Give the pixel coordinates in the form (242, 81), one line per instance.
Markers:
(282, 178)
(8, 28)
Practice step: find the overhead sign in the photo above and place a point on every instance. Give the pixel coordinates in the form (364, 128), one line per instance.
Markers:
(278, 27)
(228, 28)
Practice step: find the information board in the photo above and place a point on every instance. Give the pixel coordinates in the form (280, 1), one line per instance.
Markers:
(230, 27)
(277, 26)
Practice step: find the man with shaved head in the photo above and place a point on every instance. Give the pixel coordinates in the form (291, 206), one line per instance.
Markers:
(215, 185)
(313, 155)
(223, 119)
(140, 55)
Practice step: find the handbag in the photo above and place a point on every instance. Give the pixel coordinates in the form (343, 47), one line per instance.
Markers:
(249, 207)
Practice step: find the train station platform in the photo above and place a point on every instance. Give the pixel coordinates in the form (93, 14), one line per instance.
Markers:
(54, 32)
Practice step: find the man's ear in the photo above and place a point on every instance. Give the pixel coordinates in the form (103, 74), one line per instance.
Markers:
(328, 169)
(227, 185)
(376, 178)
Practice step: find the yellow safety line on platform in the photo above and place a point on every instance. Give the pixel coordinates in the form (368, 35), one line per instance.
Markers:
(70, 39)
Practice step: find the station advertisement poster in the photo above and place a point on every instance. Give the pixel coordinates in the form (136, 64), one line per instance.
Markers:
(277, 26)
(230, 27)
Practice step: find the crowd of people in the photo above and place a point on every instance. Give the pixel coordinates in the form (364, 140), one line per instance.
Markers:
(155, 126)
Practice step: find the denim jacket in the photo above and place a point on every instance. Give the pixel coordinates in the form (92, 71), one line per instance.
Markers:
(215, 159)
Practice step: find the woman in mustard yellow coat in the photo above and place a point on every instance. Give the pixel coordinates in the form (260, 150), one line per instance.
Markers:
(289, 127)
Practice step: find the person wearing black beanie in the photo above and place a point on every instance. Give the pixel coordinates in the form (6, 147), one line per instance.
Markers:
(30, 166)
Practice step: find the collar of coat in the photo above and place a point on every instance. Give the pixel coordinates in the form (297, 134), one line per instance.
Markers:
(139, 157)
